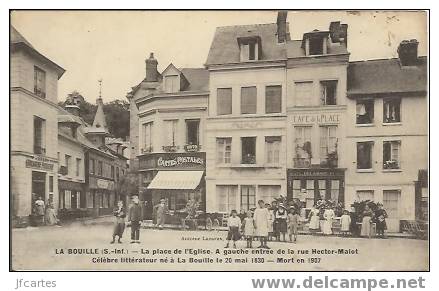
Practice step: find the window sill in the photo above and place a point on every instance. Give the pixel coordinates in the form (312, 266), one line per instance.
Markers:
(365, 171)
(392, 123)
(272, 166)
(365, 125)
(392, 170)
(246, 166)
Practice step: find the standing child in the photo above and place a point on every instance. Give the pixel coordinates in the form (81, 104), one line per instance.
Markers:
(119, 225)
(249, 229)
(345, 222)
(262, 217)
(293, 224)
(234, 224)
(281, 221)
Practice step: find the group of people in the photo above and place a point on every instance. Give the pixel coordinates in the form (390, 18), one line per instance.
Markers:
(351, 222)
(263, 223)
(45, 212)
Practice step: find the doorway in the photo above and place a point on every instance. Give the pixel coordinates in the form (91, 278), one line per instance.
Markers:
(38, 186)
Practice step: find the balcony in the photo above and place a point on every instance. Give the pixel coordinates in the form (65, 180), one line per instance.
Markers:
(39, 150)
(146, 150)
(170, 148)
(248, 159)
(302, 162)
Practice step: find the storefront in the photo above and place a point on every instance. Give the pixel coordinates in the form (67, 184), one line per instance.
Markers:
(101, 196)
(177, 177)
(309, 185)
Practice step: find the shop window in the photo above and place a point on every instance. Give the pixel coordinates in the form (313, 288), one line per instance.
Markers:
(147, 137)
(226, 198)
(392, 111)
(303, 93)
(223, 150)
(39, 82)
(67, 199)
(248, 197)
(171, 84)
(391, 199)
(272, 149)
(100, 168)
(315, 46)
(92, 166)
(39, 135)
(78, 167)
(248, 150)
(322, 188)
(303, 149)
(89, 199)
(171, 132)
(269, 193)
(328, 144)
(248, 100)
(67, 162)
(391, 155)
(335, 190)
(224, 101)
(192, 131)
(328, 91)
(364, 195)
(61, 197)
(304, 191)
(75, 199)
(364, 155)
(365, 111)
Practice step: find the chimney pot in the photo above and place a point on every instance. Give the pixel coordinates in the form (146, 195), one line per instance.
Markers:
(151, 69)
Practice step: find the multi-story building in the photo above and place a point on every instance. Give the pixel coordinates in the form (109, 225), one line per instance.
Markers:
(316, 108)
(34, 127)
(387, 133)
(170, 114)
(246, 139)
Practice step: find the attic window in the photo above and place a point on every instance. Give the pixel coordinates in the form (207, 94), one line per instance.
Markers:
(171, 84)
(250, 48)
(315, 46)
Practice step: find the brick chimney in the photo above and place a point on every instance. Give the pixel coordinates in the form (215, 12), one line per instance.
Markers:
(151, 69)
(72, 109)
(338, 32)
(282, 26)
(408, 52)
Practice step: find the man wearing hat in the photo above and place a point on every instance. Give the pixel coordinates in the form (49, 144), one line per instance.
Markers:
(381, 216)
(135, 218)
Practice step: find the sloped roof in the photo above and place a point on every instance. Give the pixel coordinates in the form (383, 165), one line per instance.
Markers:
(386, 76)
(18, 41)
(17, 37)
(198, 79)
(224, 48)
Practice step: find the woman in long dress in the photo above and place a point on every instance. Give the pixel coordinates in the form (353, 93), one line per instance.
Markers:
(329, 216)
(314, 219)
(50, 215)
(365, 223)
(261, 217)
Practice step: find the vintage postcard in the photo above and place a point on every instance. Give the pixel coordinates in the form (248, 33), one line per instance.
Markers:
(219, 140)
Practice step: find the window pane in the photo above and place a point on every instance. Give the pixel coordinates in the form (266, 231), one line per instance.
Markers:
(364, 155)
(328, 92)
(192, 131)
(391, 200)
(392, 111)
(223, 150)
(273, 99)
(224, 101)
(391, 153)
(248, 145)
(365, 195)
(365, 111)
(248, 100)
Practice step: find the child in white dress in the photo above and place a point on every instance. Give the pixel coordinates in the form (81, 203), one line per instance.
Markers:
(249, 229)
(345, 223)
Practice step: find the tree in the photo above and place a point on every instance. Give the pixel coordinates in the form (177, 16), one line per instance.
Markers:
(118, 118)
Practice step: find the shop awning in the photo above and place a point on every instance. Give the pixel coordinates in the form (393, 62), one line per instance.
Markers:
(176, 180)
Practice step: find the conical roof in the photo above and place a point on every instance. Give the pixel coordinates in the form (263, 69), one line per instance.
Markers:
(99, 123)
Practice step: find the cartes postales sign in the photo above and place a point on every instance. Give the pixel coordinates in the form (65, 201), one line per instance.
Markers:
(173, 161)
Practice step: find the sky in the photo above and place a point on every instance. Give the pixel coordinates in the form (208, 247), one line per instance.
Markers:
(113, 45)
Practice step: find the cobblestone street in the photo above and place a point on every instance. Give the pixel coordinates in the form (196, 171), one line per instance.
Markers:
(48, 248)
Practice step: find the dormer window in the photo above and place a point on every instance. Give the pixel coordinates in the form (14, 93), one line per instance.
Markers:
(250, 48)
(316, 46)
(315, 43)
(172, 84)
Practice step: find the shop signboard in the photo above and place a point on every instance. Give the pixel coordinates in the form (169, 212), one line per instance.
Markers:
(173, 161)
(40, 163)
